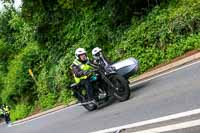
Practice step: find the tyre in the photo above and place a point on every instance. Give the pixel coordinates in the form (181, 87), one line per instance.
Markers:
(122, 90)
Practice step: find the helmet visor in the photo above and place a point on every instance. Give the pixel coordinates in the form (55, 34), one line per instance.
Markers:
(97, 54)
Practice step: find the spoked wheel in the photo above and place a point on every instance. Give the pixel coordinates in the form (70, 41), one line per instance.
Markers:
(122, 90)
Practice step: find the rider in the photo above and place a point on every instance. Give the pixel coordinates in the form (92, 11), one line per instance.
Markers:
(81, 70)
(99, 57)
(6, 113)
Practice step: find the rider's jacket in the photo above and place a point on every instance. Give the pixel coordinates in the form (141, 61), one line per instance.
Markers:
(79, 69)
(6, 109)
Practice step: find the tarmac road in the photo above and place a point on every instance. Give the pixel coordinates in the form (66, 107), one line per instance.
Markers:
(169, 94)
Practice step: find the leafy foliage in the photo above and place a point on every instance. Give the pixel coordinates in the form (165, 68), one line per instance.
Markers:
(45, 33)
(20, 111)
(17, 81)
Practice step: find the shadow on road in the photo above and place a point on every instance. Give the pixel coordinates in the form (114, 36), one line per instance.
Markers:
(135, 90)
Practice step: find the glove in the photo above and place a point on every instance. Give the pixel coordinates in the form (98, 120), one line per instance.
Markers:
(93, 78)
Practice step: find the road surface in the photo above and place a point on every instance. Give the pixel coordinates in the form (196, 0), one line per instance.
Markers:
(166, 95)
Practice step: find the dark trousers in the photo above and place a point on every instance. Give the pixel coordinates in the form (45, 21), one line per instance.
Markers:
(86, 83)
(6, 117)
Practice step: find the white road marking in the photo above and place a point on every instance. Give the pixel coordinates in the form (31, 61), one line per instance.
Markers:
(165, 73)
(172, 127)
(152, 121)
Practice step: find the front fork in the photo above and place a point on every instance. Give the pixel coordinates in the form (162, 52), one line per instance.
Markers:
(111, 87)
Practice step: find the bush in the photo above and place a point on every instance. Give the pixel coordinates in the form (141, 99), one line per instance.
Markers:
(65, 97)
(47, 101)
(18, 83)
(44, 37)
(21, 111)
(163, 34)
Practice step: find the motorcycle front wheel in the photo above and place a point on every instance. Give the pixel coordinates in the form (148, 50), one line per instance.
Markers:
(121, 88)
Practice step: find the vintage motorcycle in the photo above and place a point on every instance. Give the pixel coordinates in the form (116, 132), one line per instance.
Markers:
(108, 81)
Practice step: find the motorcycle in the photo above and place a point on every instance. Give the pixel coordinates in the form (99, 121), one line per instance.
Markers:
(108, 81)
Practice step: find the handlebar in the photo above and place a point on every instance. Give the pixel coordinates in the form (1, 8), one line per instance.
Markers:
(94, 70)
(94, 66)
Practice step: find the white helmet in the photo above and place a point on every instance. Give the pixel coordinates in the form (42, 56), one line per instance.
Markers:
(95, 52)
(79, 51)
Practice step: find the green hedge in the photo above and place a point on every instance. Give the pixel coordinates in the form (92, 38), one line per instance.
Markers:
(17, 82)
(21, 111)
(43, 38)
